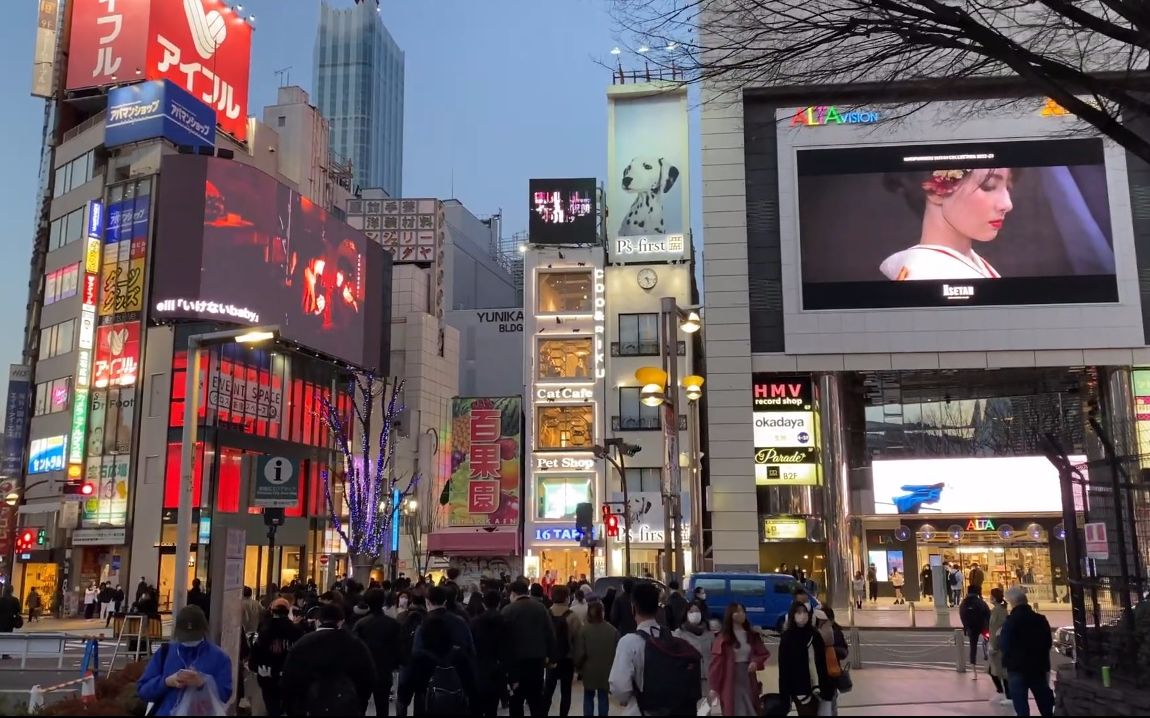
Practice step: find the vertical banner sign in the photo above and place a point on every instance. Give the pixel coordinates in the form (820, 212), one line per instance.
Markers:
(115, 347)
(1141, 380)
(485, 461)
(203, 46)
(44, 54)
(648, 200)
(16, 420)
(85, 340)
(785, 431)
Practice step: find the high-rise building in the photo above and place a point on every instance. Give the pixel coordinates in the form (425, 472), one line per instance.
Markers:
(359, 88)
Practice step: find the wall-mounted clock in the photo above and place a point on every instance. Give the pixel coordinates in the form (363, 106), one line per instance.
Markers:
(647, 278)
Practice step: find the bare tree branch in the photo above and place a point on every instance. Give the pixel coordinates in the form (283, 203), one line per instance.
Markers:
(1090, 56)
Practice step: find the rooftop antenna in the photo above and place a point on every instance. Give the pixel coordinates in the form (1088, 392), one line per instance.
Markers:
(283, 75)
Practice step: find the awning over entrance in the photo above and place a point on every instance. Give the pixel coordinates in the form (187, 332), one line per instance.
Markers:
(475, 543)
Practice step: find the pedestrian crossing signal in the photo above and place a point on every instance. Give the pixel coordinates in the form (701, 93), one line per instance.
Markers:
(612, 526)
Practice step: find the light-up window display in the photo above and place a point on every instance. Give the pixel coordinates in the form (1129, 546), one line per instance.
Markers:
(557, 496)
(567, 358)
(565, 426)
(565, 293)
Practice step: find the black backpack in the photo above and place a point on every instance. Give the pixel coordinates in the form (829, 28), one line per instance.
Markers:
(672, 675)
(445, 695)
(333, 695)
(562, 636)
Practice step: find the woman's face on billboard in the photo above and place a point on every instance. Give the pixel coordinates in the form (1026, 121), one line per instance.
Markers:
(979, 205)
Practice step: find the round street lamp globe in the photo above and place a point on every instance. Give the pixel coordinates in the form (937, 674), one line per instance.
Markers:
(651, 395)
(12, 498)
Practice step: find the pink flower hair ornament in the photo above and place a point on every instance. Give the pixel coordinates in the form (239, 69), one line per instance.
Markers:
(944, 182)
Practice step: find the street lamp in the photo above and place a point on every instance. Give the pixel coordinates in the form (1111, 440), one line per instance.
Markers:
(657, 387)
(622, 449)
(246, 335)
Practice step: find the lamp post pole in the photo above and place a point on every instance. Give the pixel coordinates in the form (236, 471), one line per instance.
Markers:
(188, 447)
(673, 515)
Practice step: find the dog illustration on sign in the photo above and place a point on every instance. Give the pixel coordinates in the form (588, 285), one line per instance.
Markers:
(649, 178)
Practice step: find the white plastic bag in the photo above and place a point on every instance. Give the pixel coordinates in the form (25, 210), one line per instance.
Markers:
(708, 707)
(202, 701)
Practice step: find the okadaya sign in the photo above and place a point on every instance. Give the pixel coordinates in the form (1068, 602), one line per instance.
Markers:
(648, 248)
(276, 482)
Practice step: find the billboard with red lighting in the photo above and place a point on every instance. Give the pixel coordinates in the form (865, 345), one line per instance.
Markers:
(234, 245)
(204, 46)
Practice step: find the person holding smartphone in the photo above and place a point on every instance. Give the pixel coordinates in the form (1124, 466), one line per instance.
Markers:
(189, 660)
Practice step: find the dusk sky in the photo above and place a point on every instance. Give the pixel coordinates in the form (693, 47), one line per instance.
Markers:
(496, 92)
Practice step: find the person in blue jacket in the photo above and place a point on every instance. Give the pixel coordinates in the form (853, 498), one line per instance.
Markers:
(184, 662)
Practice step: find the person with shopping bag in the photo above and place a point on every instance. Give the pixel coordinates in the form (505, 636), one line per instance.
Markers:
(803, 678)
(189, 675)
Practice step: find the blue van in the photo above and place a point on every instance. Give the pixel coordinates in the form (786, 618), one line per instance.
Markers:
(767, 596)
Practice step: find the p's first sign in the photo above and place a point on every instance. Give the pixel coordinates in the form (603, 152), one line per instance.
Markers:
(276, 483)
(158, 108)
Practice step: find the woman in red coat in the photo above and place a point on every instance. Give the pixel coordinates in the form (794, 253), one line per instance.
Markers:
(737, 655)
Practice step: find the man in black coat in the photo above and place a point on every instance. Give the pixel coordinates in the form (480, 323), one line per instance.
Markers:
(381, 634)
(622, 617)
(975, 616)
(328, 668)
(531, 637)
(676, 606)
(492, 654)
(1026, 642)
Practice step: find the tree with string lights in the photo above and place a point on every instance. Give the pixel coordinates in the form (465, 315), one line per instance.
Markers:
(372, 491)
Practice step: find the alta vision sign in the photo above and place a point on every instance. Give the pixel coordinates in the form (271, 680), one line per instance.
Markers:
(819, 115)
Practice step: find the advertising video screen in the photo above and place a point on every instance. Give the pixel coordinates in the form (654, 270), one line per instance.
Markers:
(234, 245)
(987, 223)
(974, 486)
(563, 211)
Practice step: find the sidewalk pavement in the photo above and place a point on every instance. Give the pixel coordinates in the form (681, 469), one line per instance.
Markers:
(899, 617)
(77, 626)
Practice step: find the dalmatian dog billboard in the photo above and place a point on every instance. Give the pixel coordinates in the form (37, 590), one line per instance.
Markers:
(648, 186)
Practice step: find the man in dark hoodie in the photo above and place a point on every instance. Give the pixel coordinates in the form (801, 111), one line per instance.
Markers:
(276, 637)
(492, 654)
(328, 671)
(380, 633)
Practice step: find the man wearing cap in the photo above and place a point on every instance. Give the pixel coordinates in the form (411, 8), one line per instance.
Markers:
(189, 660)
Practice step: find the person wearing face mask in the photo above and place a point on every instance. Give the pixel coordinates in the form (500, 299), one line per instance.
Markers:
(329, 671)
(275, 637)
(803, 663)
(737, 655)
(189, 660)
(695, 630)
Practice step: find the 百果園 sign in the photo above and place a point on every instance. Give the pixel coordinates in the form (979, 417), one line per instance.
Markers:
(158, 108)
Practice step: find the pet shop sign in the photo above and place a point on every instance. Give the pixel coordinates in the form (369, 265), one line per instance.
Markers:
(820, 115)
(648, 249)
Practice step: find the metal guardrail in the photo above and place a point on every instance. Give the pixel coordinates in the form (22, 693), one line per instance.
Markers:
(34, 645)
(83, 126)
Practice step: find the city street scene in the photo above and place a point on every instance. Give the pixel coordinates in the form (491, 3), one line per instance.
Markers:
(576, 357)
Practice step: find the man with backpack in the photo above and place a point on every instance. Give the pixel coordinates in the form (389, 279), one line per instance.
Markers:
(975, 616)
(531, 637)
(654, 673)
(380, 633)
(437, 600)
(329, 671)
(561, 670)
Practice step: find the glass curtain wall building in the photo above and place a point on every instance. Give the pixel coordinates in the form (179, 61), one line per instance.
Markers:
(359, 75)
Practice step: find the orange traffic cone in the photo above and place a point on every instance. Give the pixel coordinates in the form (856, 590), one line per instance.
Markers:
(88, 688)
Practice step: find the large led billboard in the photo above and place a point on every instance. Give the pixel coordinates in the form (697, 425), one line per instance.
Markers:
(967, 486)
(236, 246)
(204, 46)
(983, 223)
(563, 211)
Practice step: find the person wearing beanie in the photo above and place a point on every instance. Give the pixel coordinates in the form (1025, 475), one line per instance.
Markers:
(189, 660)
(276, 637)
(329, 671)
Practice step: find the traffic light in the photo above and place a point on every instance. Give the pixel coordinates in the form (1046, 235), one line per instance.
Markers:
(26, 541)
(42, 537)
(612, 525)
(78, 488)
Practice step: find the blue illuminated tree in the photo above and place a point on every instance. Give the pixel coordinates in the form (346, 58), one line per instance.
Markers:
(372, 490)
